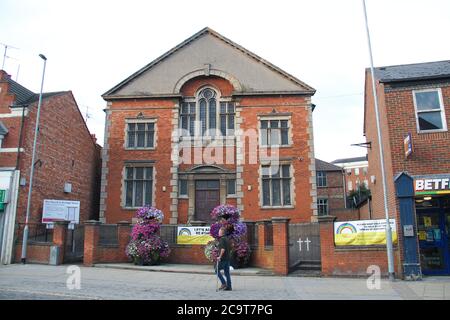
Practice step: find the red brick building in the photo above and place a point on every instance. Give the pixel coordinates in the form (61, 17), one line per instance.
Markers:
(209, 122)
(66, 154)
(414, 102)
(330, 188)
(356, 172)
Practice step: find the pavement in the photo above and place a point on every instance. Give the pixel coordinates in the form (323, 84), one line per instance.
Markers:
(43, 282)
(184, 268)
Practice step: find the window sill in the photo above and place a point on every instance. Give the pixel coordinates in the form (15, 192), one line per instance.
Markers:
(232, 196)
(277, 146)
(431, 131)
(277, 207)
(183, 197)
(140, 149)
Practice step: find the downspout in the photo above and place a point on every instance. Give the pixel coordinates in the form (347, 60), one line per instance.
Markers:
(344, 181)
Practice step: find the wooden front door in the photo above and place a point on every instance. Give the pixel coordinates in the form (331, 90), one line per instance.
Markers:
(207, 196)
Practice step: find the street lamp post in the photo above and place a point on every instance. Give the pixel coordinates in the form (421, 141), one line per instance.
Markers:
(30, 187)
(389, 247)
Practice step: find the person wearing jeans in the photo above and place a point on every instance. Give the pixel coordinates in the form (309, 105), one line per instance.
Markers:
(224, 260)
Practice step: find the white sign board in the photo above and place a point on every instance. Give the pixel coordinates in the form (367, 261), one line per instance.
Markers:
(61, 210)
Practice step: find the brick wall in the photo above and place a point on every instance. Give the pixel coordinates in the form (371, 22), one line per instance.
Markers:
(354, 260)
(333, 191)
(66, 152)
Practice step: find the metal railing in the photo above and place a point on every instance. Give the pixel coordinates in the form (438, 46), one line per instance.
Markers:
(168, 233)
(37, 232)
(108, 235)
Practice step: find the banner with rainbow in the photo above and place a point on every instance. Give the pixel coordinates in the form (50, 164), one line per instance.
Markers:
(362, 232)
(193, 235)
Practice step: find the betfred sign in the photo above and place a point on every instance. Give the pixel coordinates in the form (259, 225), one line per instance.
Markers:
(432, 185)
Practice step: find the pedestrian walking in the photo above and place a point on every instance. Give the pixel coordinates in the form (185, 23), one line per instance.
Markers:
(223, 260)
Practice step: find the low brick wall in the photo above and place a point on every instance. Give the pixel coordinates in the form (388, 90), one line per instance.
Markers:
(37, 252)
(351, 261)
(189, 254)
(271, 251)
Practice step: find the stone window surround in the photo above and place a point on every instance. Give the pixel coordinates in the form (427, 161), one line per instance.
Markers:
(141, 120)
(137, 163)
(276, 116)
(292, 186)
(219, 98)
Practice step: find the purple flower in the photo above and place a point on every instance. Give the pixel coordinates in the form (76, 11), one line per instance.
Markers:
(227, 212)
(150, 213)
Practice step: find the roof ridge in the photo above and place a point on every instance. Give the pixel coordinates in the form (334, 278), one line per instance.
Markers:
(410, 64)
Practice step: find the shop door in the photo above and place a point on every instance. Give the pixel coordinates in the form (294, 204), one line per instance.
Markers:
(433, 231)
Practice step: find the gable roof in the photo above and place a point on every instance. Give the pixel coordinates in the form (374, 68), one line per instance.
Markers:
(35, 97)
(21, 93)
(253, 74)
(416, 71)
(326, 166)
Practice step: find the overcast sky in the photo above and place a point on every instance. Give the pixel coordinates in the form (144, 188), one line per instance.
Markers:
(93, 45)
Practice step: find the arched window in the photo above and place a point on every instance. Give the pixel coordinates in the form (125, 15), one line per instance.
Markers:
(207, 114)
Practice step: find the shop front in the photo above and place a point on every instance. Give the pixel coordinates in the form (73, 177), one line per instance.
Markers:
(432, 206)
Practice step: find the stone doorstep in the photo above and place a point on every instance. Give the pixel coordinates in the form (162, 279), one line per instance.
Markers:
(185, 268)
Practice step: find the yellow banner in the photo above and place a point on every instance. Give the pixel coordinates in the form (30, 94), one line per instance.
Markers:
(362, 232)
(203, 239)
(193, 235)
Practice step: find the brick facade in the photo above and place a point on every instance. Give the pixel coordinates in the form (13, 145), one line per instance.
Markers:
(164, 158)
(398, 118)
(65, 151)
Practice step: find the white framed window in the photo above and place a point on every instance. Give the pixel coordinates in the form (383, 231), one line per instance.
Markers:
(274, 132)
(429, 107)
(321, 178)
(140, 134)
(208, 114)
(138, 185)
(350, 186)
(322, 206)
(356, 171)
(276, 185)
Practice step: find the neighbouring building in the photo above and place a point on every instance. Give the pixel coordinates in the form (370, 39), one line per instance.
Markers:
(330, 183)
(209, 123)
(66, 154)
(414, 103)
(356, 171)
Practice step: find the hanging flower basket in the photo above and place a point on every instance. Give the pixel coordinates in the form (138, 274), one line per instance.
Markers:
(146, 246)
